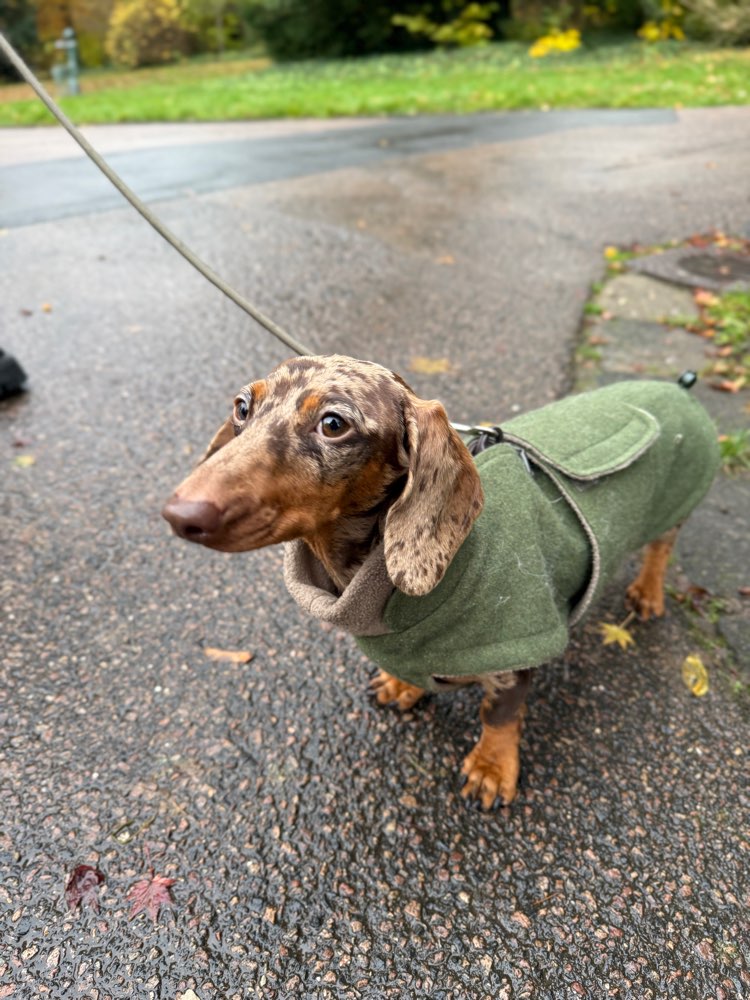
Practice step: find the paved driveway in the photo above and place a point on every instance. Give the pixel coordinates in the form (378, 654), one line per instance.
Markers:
(319, 845)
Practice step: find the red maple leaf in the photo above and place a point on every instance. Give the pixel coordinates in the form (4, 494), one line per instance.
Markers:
(82, 887)
(150, 894)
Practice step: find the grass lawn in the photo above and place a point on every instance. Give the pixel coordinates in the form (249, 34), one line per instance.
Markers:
(500, 76)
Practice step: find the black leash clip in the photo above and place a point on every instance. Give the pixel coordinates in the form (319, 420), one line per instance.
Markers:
(481, 437)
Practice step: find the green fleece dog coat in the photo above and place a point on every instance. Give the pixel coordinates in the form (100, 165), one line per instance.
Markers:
(605, 473)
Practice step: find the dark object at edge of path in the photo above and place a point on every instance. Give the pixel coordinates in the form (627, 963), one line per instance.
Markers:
(12, 375)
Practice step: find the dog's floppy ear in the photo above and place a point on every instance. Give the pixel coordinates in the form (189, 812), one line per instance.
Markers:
(441, 500)
(223, 436)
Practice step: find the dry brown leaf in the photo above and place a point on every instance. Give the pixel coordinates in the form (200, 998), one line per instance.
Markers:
(446, 259)
(705, 298)
(149, 895)
(727, 385)
(430, 366)
(231, 655)
(82, 888)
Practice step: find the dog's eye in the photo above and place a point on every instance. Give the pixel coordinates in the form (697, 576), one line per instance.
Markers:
(333, 426)
(241, 409)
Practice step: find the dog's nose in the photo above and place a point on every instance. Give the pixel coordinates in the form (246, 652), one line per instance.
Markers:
(195, 520)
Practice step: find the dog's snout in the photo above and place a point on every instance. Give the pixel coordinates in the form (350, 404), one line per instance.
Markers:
(195, 520)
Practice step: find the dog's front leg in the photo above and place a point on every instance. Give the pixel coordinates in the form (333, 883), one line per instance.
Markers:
(390, 690)
(493, 765)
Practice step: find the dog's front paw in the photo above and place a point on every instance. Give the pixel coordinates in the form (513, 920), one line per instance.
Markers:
(390, 690)
(493, 766)
(645, 598)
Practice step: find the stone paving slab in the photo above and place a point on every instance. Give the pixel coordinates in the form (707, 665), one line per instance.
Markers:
(630, 346)
(644, 299)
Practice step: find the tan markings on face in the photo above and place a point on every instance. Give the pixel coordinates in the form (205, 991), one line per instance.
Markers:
(369, 486)
(259, 390)
(310, 404)
(303, 504)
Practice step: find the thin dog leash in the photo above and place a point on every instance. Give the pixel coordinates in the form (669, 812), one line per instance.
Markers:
(483, 436)
(480, 437)
(143, 210)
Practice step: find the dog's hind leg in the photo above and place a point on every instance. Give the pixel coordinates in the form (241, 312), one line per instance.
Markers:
(493, 766)
(645, 595)
(390, 690)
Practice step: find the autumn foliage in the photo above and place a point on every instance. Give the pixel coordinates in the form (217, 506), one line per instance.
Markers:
(146, 33)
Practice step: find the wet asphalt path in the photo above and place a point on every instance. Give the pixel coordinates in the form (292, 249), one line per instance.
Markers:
(319, 845)
(157, 173)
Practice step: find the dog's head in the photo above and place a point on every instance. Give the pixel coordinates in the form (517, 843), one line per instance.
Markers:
(324, 439)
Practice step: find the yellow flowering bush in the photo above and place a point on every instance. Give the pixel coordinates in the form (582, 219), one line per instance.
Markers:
(146, 33)
(668, 26)
(555, 41)
(468, 26)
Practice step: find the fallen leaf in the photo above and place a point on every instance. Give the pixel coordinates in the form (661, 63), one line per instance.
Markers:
(727, 385)
(695, 597)
(24, 461)
(46, 307)
(232, 655)
(361, 223)
(26, 312)
(430, 366)
(615, 633)
(150, 894)
(446, 259)
(743, 591)
(82, 887)
(705, 298)
(695, 675)
(597, 340)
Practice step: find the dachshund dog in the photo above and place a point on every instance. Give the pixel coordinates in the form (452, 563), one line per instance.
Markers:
(375, 494)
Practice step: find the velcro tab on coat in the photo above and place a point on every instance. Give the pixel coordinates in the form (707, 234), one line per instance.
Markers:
(585, 437)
